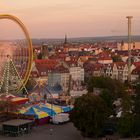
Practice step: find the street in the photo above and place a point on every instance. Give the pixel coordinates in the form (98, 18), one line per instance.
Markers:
(50, 132)
(55, 132)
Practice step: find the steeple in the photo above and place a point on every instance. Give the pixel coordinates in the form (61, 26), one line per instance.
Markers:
(66, 40)
(122, 43)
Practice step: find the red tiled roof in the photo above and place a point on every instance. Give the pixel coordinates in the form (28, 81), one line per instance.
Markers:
(60, 69)
(136, 71)
(93, 67)
(72, 58)
(97, 66)
(123, 53)
(104, 58)
(137, 64)
(104, 54)
(45, 61)
(108, 65)
(120, 65)
(58, 57)
(70, 63)
(45, 65)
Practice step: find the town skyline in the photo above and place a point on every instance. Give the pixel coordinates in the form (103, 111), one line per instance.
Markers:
(54, 19)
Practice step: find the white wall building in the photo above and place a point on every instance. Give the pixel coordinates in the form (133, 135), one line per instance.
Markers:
(59, 77)
(77, 73)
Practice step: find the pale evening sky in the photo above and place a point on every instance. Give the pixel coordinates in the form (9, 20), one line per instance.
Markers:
(76, 18)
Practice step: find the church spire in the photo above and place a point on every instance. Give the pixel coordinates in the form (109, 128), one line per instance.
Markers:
(66, 40)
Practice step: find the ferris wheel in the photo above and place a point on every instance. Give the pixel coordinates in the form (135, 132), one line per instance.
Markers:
(15, 59)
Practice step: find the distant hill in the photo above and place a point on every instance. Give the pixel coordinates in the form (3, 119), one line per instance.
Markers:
(85, 39)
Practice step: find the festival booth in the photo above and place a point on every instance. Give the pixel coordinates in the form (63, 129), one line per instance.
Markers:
(10, 104)
(17, 127)
(14, 99)
(19, 100)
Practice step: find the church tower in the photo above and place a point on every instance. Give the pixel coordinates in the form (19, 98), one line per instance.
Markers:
(66, 40)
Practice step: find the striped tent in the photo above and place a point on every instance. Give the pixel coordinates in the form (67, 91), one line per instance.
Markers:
(66, 108)
(37, 113)
(58, 109)
(43, 108)
(55, 108)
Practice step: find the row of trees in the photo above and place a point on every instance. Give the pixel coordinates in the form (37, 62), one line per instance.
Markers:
(91, 112)
(129, 124)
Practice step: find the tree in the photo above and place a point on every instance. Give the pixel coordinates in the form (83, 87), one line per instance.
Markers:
(126, 125)
(108, 98)
(137, 100)
(129, 124)
(89, 114)
(137, 104)
(115, 87)
(136, 111)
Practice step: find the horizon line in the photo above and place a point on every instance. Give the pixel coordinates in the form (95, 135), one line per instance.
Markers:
(51, 38)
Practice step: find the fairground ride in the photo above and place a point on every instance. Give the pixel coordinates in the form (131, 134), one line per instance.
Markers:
(15, 60)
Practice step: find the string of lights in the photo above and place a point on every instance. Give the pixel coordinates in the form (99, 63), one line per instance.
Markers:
(7, 76)
(10, 71)
(3, 77)
(18, 76)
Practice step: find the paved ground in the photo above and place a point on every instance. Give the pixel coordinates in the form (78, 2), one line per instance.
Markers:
(53, 132)
(50, 132)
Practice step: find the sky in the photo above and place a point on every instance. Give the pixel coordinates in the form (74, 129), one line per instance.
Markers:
(76, 18)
